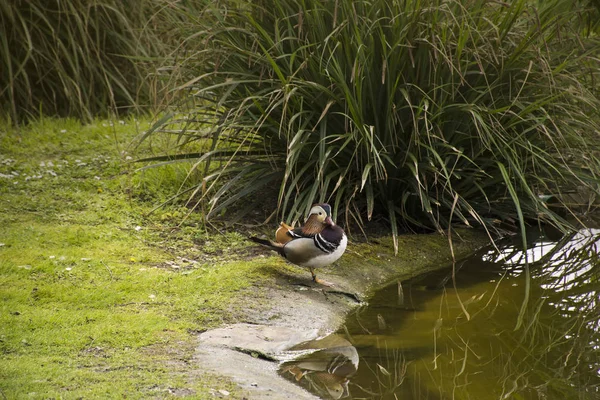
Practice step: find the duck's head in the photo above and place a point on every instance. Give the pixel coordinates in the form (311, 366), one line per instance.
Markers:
(321, 213)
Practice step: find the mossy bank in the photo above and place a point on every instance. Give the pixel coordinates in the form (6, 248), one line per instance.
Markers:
(103, 298)
(100, 298)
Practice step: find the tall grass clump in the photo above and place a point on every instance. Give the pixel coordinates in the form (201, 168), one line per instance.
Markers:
(83, 58)
(426, 112)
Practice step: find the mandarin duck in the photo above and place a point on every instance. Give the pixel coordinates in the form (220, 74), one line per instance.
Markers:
(317, 244)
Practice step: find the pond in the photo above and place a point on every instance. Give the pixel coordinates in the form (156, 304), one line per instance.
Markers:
(465, 333)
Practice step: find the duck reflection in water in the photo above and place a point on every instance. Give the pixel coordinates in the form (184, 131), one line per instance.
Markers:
(325, 365)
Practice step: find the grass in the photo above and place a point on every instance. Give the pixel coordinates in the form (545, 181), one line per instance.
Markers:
(427, 114)
(98, 299)
(81, 59)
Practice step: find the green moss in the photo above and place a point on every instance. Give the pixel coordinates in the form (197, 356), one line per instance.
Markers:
(96, 300)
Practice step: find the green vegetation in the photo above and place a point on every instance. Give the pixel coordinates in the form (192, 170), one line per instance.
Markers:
(80, 58)
(97, 300)
(426, 113)
(423, 113)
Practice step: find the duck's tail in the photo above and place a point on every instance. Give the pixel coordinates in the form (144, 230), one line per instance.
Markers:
(278, 247)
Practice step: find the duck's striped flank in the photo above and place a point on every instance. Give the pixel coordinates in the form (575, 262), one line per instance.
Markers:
(323, 244)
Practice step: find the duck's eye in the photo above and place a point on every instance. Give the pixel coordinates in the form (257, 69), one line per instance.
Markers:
(320, 213)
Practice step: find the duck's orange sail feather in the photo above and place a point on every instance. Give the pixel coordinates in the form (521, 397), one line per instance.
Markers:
(281, 235)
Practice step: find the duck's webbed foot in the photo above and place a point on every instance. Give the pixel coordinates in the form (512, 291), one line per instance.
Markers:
(319, 281)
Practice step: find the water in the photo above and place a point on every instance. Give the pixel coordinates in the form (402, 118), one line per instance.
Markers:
(435, 337)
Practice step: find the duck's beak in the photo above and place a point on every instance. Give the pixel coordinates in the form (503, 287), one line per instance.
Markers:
(329, 221)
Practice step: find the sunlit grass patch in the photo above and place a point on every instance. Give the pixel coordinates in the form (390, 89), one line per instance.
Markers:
(97, 298)
(89, 327)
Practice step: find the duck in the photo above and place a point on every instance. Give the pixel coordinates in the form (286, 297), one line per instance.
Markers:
(316, 244)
